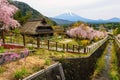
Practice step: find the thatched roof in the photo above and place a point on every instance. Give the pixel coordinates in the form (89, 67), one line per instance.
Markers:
(36, 27)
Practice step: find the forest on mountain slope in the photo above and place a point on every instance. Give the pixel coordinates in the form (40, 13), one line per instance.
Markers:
(26, 12)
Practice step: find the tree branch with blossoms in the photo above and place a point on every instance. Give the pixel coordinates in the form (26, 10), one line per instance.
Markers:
(6, 14)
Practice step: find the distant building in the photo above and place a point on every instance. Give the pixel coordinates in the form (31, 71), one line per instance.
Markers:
(59, 30)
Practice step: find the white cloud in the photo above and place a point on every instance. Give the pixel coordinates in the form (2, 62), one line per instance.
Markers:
(88, 8)
(61, 2)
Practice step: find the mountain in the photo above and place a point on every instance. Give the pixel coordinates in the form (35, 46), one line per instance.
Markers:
(25, 8)
(61, 21)
(69, 16)
(114, 20)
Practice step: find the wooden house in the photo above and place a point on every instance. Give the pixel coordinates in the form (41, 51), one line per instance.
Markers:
(37, 28)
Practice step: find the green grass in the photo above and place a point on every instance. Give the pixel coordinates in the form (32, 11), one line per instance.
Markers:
(73, 42)
(51, 55)
(2, 50)
(19, 74)
(100, 64)
(113, 72)
(46, 54)
(15, 39)
(36, 68)
(70, 41)
(48, 61)
(114, 66)
(30, 47)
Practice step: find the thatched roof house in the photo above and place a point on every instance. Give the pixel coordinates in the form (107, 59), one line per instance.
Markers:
(37, 28)
(59, 30)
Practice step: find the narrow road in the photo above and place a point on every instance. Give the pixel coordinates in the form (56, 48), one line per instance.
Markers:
(104, 75)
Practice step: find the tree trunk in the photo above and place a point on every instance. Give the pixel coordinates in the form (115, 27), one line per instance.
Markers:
(24, 41)
(3, 36)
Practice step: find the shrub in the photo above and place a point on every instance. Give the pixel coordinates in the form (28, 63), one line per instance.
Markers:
(96, 39)
(85, 42)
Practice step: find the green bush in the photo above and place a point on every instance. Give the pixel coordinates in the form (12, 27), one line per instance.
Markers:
(19, 74)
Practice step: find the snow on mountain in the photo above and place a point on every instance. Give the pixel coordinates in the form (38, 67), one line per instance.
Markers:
(70, 16)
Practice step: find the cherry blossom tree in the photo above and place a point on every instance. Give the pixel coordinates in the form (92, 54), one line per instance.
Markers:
(85, 32)
(6, 14)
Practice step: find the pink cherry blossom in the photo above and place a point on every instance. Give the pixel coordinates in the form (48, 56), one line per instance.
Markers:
(85, 32)
(6, 14)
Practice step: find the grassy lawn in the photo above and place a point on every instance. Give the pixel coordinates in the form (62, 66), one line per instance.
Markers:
(74, 42)
(68, 41)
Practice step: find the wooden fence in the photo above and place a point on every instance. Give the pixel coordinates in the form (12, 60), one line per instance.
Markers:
(14, 39)
(47, 44)
(52, 45)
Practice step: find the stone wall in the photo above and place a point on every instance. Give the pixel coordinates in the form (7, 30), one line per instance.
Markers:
(118, 53)
(81, 68)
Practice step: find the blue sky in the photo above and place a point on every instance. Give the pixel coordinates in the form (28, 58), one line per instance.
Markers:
(92, 9)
